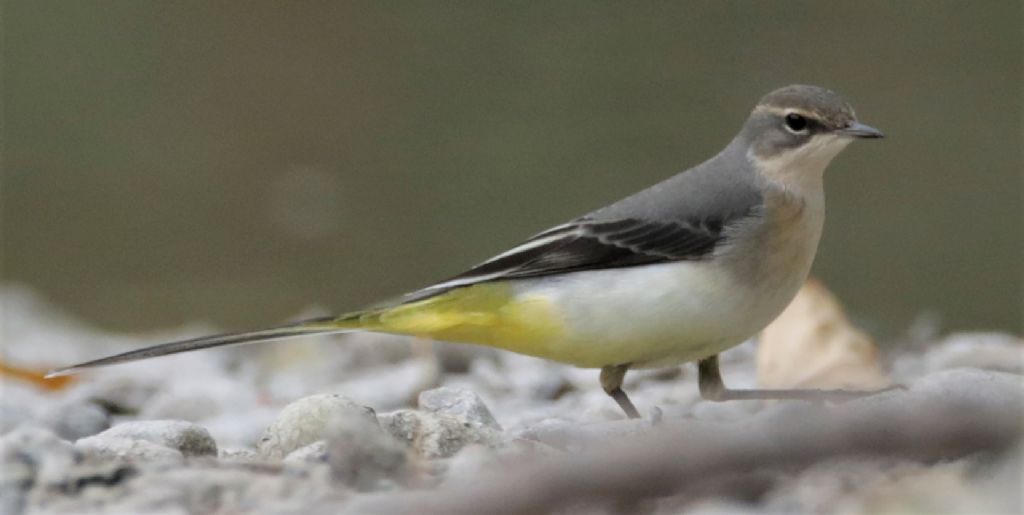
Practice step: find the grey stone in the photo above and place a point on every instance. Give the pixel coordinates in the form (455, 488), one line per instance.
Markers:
(238, 454)
(363, 456)
(39, 468)
(435, 435)
(305, 421)
(16, 478)
(185, 437)
(46, 451)
(460, 403)
(205, 487)
(315, 452)
(107, 448)
(74, 420)
(30, 457)
(82, 476)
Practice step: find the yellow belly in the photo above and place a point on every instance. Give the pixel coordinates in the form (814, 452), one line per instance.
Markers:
(488, 314)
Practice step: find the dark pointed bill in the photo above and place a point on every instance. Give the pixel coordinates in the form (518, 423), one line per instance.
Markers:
(860, 130)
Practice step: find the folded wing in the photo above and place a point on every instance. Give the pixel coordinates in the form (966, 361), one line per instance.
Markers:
(587, 244)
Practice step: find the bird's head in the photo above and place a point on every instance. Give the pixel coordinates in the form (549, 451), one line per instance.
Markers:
(801, 128)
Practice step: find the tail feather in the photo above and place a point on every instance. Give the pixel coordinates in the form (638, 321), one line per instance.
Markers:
(304, 328)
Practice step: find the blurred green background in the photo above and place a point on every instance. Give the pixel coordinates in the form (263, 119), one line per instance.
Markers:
(237, 162)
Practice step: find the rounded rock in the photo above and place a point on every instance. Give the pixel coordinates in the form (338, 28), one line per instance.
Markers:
(126, 449)
(305, 421)
(78, 420)
(185, 437)
(434, 435)
(31, 456)
(362, 455)
(459, 403)
(315, 452)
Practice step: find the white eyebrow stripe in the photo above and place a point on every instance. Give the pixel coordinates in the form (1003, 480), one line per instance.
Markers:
(784, 111)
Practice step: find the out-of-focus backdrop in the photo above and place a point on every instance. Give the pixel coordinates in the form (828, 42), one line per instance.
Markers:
(238, 162)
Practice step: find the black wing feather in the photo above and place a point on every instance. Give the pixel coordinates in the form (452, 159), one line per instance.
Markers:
(591, 245)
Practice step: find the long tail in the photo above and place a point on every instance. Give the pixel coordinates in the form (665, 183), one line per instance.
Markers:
(485, 314)
(306, 327)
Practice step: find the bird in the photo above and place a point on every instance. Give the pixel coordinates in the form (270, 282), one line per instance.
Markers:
(678, 272)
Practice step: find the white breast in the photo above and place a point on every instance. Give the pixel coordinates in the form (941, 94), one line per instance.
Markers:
(664, 314)
(656, 314)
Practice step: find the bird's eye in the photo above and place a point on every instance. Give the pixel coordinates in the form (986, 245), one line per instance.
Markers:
(796, 123)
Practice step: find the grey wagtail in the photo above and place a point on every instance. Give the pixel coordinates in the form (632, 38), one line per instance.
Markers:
(678, 272)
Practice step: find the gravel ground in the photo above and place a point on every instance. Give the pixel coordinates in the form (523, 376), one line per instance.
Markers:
(370, 423)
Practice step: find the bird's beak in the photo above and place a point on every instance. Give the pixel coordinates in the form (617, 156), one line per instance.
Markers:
(859, 130)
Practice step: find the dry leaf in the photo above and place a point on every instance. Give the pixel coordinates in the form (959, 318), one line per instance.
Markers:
(812, 344)
(36, 377)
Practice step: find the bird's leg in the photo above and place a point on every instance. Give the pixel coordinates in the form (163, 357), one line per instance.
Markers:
(611, 381)
(713, 389)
